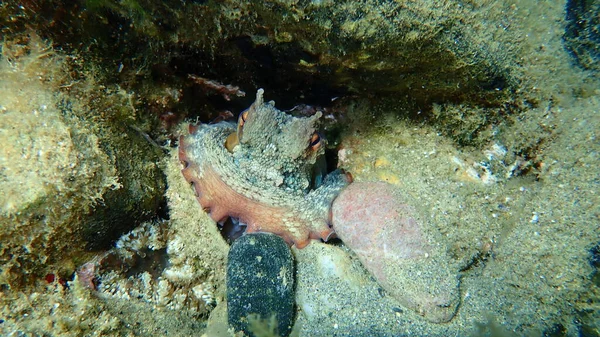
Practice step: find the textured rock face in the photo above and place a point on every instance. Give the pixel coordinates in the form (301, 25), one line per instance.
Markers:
(72, 174)
(392, 241)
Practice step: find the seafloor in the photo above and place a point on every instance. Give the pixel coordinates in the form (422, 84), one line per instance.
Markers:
(486, 113)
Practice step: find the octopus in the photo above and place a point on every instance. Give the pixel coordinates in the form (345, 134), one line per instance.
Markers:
(266, 172)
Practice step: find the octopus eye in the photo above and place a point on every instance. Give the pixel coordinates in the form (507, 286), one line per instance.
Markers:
(315, 141)
(242, 118)
(241, 121)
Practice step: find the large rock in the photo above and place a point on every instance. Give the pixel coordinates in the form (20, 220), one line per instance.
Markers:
(75, 172)
(393, 242)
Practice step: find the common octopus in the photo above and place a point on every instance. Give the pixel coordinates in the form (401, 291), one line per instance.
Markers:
(261, 172)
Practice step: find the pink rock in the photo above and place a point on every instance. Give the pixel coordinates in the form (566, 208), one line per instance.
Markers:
(394, 242)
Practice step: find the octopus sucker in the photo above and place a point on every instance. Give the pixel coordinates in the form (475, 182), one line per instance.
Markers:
(258, 171)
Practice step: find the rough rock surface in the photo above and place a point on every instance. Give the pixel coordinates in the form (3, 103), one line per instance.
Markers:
(69, 181)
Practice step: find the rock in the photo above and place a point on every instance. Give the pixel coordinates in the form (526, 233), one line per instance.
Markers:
(260, 281)
(393, 242)
(72, 178)
(76, 170)
(140, 193)
(582, 33)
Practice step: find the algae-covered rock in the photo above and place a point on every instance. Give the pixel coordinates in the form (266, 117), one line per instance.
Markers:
(142, 185)
(467, 68)
(426, 50)
(68, 178)
(582, 33)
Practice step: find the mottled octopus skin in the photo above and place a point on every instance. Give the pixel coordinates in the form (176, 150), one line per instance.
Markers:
(265, 180)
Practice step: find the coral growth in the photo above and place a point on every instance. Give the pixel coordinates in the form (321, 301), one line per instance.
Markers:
(142, 266)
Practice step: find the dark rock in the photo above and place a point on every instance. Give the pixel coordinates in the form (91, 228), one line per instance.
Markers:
(582, 33)
(316, 50)
(260, 281)
(140, 195)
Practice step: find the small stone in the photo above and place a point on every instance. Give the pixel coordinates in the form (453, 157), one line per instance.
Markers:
(260, 281)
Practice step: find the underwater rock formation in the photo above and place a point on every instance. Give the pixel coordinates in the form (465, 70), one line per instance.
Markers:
(582, 33)
(391, 240)
(261, 171)
(75, 174)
